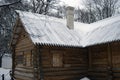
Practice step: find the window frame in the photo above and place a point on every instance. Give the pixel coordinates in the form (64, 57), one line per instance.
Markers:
(59, 59)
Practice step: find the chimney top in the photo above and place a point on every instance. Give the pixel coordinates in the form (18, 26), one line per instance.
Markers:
(70, 8)
(70, 17)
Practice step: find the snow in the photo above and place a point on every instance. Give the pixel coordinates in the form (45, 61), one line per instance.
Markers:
(85, 78)
(49, 30)
(7, 61)
(105, 22)
(5, 72)
(82, 27)
(106, 30)
(53, 31)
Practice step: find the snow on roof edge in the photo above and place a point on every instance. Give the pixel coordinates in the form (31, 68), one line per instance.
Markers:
(107, 41)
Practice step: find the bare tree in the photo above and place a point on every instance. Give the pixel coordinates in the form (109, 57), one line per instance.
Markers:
(97, 10)
(8, 4)
(8, 17)
(7, 20)
(103, 8)
(85, 16)
(43, 6)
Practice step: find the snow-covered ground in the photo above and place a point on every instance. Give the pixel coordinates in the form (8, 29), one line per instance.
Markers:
(5, 72)
(85, 78)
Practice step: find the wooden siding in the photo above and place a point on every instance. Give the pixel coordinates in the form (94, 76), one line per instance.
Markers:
(115, 49)
(104, 61)
(74, 63)
(23, 62)
(98, 62)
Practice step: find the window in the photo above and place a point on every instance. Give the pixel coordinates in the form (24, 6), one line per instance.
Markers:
(57, 59)
(24, 58)
(28, 58)
(19, 58)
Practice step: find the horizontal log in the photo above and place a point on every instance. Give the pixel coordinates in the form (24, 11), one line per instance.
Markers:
(24, 70)
(24, 47)
(98, 78)
(19, 77)
(24, 67)
(56, 73)
(64, 69)
(75, 62)
(66, 77)
(98, 70)
(23, 74)
(116, 78)
(98, 73)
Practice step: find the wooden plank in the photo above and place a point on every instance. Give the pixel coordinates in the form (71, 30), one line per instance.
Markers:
(66, 77)
(40, 63)
(24, 74)
(109, 56)
(90, 58)
(60, 73)
(24, 70)
(18, 77)
(13, 60)
(64, 69)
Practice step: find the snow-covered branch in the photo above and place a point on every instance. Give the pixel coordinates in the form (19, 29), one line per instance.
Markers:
(8, 4)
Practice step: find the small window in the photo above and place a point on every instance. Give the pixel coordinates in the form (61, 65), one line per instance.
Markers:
(24, 58)
(19, 58)
(57, 59)
(28, 58)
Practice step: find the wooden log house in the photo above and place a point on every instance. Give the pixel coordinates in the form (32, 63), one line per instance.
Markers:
(45, 49)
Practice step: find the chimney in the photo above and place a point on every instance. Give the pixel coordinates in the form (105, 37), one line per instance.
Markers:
(70, 17)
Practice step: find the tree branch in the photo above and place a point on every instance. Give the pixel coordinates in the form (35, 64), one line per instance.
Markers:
(10, 3)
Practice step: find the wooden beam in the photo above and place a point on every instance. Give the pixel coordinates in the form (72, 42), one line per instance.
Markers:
(109, 55)
(40, 63)
(90, 58)
(110, 73)
(10, 3)
(13, 60)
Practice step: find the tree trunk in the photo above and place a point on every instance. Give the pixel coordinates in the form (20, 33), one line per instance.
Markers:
(0, 61)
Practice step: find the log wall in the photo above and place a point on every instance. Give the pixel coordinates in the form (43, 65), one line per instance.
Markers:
(115, 50)
(73, 66)
(104, 63)
(98, 62)
(23, 62)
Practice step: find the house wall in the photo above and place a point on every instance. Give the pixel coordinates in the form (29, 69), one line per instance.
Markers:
(104, 63)
(98, 62)
(64, 63)
(23, 65)
(115, 51)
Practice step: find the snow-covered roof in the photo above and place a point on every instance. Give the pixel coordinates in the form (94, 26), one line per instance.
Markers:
(106, 30)
(49, 30)
(53, 31)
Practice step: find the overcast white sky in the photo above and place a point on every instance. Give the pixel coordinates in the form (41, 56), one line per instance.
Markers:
(74, 3)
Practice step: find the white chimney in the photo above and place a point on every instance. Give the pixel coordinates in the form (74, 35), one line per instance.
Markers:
(70, 17)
